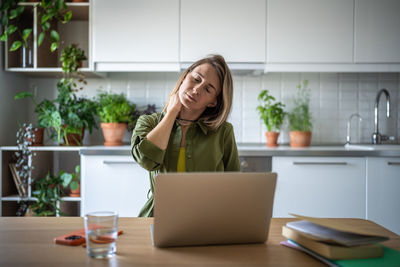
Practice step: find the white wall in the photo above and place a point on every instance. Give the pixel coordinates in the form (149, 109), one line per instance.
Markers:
(12, 112)
(335, 96)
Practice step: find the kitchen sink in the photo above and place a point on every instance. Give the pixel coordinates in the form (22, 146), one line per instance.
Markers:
(372, 147)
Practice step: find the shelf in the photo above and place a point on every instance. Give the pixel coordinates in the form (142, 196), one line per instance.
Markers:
(46, 72)
(45, 148)
(17, 198)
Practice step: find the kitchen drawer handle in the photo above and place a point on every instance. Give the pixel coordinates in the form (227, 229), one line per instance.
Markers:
(393, 163)
(318, 163)
(117, 162)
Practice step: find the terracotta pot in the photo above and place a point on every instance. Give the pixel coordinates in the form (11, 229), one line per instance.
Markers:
(272, 138)
(113, 133)
(74, 139)
(76, 192)
(38, 132)
(300, 139)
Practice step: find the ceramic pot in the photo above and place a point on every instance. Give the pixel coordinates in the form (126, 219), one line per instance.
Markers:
(76, 192)
(38, 132)
(113, 133)
(300, 139)
(272, 139)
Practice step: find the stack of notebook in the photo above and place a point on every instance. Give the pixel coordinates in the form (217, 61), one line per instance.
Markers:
(333, 240)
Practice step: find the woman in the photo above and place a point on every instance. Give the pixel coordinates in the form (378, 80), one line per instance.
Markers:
(191, 134)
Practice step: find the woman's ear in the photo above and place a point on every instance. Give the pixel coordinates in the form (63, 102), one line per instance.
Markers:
(212, 104)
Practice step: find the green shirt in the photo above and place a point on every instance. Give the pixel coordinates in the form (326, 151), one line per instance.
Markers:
(206, 151)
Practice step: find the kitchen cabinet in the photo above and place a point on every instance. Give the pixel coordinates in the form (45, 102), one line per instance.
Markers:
(233, 28)
(377, 34)
(136, 35)
(310, 31)
(114, 183)
(383, 198)
(320, 186)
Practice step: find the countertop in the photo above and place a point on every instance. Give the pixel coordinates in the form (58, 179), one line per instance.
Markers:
(259, 150)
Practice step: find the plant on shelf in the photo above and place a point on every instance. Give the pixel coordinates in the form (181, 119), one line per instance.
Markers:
(300, 118)
(48, 192)
(73, 181)
(72, 57)
(49, 12)
(23, 155)
(114, 111)
(272, 114)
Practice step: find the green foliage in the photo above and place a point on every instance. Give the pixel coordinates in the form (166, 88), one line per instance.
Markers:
(71, 58)
(46, 110)
(150, 109)
(114, 108)
(300, 118)
(48, 192)
(71, 179)
(49, 12)
(271, 113)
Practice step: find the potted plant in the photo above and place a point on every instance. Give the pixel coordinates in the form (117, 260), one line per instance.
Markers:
(48, 192)
(272, 114)
(73, 181)
(72, 57)
(114, 111)
(300, 119)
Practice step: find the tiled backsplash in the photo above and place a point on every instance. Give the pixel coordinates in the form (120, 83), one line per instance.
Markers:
(334, 97)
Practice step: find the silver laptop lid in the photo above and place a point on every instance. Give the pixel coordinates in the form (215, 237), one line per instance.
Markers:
(212, 208)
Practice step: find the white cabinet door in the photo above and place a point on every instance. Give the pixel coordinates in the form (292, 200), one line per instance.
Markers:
(309, 31)
(383, 192)
(233, 28)
(115, 183)
(322, 187)
(377, 34)
(135, 31)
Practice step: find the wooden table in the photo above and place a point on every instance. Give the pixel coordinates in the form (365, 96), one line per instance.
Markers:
(28, 241)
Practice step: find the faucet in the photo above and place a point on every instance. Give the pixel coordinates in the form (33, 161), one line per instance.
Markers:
(377, 138)
(348, 126)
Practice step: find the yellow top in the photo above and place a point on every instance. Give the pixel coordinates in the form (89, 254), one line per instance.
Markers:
(181, 160)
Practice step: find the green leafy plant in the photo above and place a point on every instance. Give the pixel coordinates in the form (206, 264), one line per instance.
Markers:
(48, 192)
(271, 113)
(114, 108)
(71, 58)
(11, 13)
(300, 118)
(49, 11)
(52, 11)
(71, 179)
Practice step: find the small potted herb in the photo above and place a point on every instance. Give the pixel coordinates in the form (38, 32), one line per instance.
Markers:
(272, 114)
(300, 118)
(71, 58)
(114, 111)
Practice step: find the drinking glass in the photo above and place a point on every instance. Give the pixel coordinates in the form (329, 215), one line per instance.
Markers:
(101, 234)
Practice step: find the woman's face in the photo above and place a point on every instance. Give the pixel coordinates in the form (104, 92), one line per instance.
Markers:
(200, 88)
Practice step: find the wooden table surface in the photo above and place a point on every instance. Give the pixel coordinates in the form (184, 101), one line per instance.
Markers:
(28, 241)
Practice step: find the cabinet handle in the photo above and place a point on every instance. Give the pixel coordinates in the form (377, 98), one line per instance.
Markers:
(318, 163)
(393, 163)
(117, 162)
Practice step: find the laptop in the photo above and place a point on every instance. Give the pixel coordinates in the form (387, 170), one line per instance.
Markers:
(212, 208)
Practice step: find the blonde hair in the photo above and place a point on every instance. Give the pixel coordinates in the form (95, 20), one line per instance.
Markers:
(212, 117)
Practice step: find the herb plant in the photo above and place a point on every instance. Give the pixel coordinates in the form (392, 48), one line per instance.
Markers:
(71, 179)
(300, 118)
(71, 58)
(271, 113)
(114, 108)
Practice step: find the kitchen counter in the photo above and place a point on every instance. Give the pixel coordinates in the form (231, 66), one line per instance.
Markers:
(355, 150)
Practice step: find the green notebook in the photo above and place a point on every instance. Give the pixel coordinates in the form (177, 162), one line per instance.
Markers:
(391, 258)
